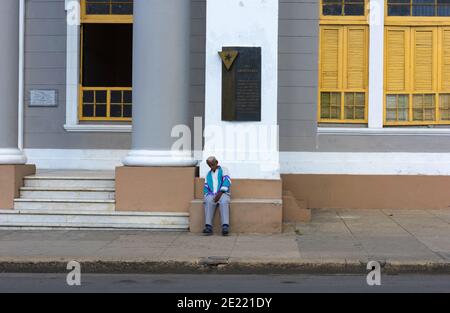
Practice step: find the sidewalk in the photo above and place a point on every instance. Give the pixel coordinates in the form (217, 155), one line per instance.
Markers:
(336, 241)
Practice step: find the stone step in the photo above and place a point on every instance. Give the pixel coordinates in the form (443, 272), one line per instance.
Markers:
(56, 205)
(102, 220)
(68, 182)
(67, 193)
(246, 216)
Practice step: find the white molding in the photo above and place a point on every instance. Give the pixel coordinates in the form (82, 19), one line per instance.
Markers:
(99, 128)
(11, 156)
(391, 131)
(376, 64)
(365, 163)
(76, 159)
(21, 104)
(72, 63)
(159, 158)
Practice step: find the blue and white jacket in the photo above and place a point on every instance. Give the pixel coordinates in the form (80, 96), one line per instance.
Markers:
(224, 182)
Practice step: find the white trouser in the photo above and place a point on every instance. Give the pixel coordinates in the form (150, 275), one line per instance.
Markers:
(210, 209)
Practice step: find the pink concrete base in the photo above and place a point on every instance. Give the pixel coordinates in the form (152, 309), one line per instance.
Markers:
(246, 216)
(11, 179)
(370, 191)
(295, 211)
(154, 189)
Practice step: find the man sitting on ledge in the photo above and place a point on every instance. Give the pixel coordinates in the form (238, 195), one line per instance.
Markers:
(217, 192)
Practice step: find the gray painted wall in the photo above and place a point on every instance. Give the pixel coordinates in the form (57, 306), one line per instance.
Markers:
(298, 74)
(45, 68)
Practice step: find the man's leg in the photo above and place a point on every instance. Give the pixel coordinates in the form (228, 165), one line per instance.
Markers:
(210, 208)
(224, 204)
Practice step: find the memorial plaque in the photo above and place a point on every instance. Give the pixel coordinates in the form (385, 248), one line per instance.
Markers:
(43, 98)
(241, 84)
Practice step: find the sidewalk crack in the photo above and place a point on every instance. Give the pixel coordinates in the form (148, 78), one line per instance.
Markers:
(414, 236)
(357, 242)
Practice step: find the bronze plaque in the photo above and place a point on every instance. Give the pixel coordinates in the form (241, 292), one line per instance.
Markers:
(241, 84)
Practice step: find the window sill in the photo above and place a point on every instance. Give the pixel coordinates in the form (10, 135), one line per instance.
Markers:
(391, 131)
(99, 128)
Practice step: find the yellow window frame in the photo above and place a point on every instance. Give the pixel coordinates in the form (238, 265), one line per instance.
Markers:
(108, 104)
(342, 83)
(104, 18)
(437, 89)
(344, 19)
(414, 20)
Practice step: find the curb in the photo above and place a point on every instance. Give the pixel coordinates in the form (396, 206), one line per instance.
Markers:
(230, 267)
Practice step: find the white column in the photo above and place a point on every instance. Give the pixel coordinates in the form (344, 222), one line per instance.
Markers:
(247, 149)
(161, 68)
(9, 83)
(376, 63)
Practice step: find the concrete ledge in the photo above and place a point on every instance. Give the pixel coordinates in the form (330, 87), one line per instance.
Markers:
(262, 216)
(11, 179)
(323, 191)
(154, 189)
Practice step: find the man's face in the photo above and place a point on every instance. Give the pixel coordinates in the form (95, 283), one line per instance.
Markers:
(213, 165)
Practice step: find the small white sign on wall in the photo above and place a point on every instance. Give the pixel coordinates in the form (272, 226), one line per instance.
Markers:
(43, 98)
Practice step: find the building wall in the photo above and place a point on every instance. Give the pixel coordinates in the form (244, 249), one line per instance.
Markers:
(45, 68)
(297, 99)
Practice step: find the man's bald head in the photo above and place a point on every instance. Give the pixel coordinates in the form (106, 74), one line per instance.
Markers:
(212, 163)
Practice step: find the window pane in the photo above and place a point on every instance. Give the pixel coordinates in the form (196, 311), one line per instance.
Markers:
(423, 108)
(332, 9)
(127, 111)
(116, 97)
(397, 108)
(88, 96)
(105, 7)
(116, 111)
(100, 96)
(354, 106)
(100, 110)
(330, 105)
(444, 107)
(123, 8)
(127, 97)
(399, 10)
(354, 9)
(88, 110)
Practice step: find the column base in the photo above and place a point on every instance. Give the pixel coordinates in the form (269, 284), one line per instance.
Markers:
(11, 179)
(154, 189)
(12, 156)
(159, 158)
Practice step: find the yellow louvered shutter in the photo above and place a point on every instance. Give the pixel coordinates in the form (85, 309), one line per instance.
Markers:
(396, 59)
(424, 47)
(329, 60)
(356, 62)
(445, 66)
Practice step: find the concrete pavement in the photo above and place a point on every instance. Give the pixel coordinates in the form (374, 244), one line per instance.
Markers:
(335, 241)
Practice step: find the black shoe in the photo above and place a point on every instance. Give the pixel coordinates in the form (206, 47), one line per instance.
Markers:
(207, 231)
(225, 230)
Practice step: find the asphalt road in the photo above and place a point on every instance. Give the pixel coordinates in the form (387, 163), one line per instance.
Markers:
(178, 283)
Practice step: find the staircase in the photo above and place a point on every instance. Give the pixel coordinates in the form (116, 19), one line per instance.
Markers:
(80, 200)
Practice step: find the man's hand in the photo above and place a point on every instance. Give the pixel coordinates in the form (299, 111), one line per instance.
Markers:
(218, 196)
